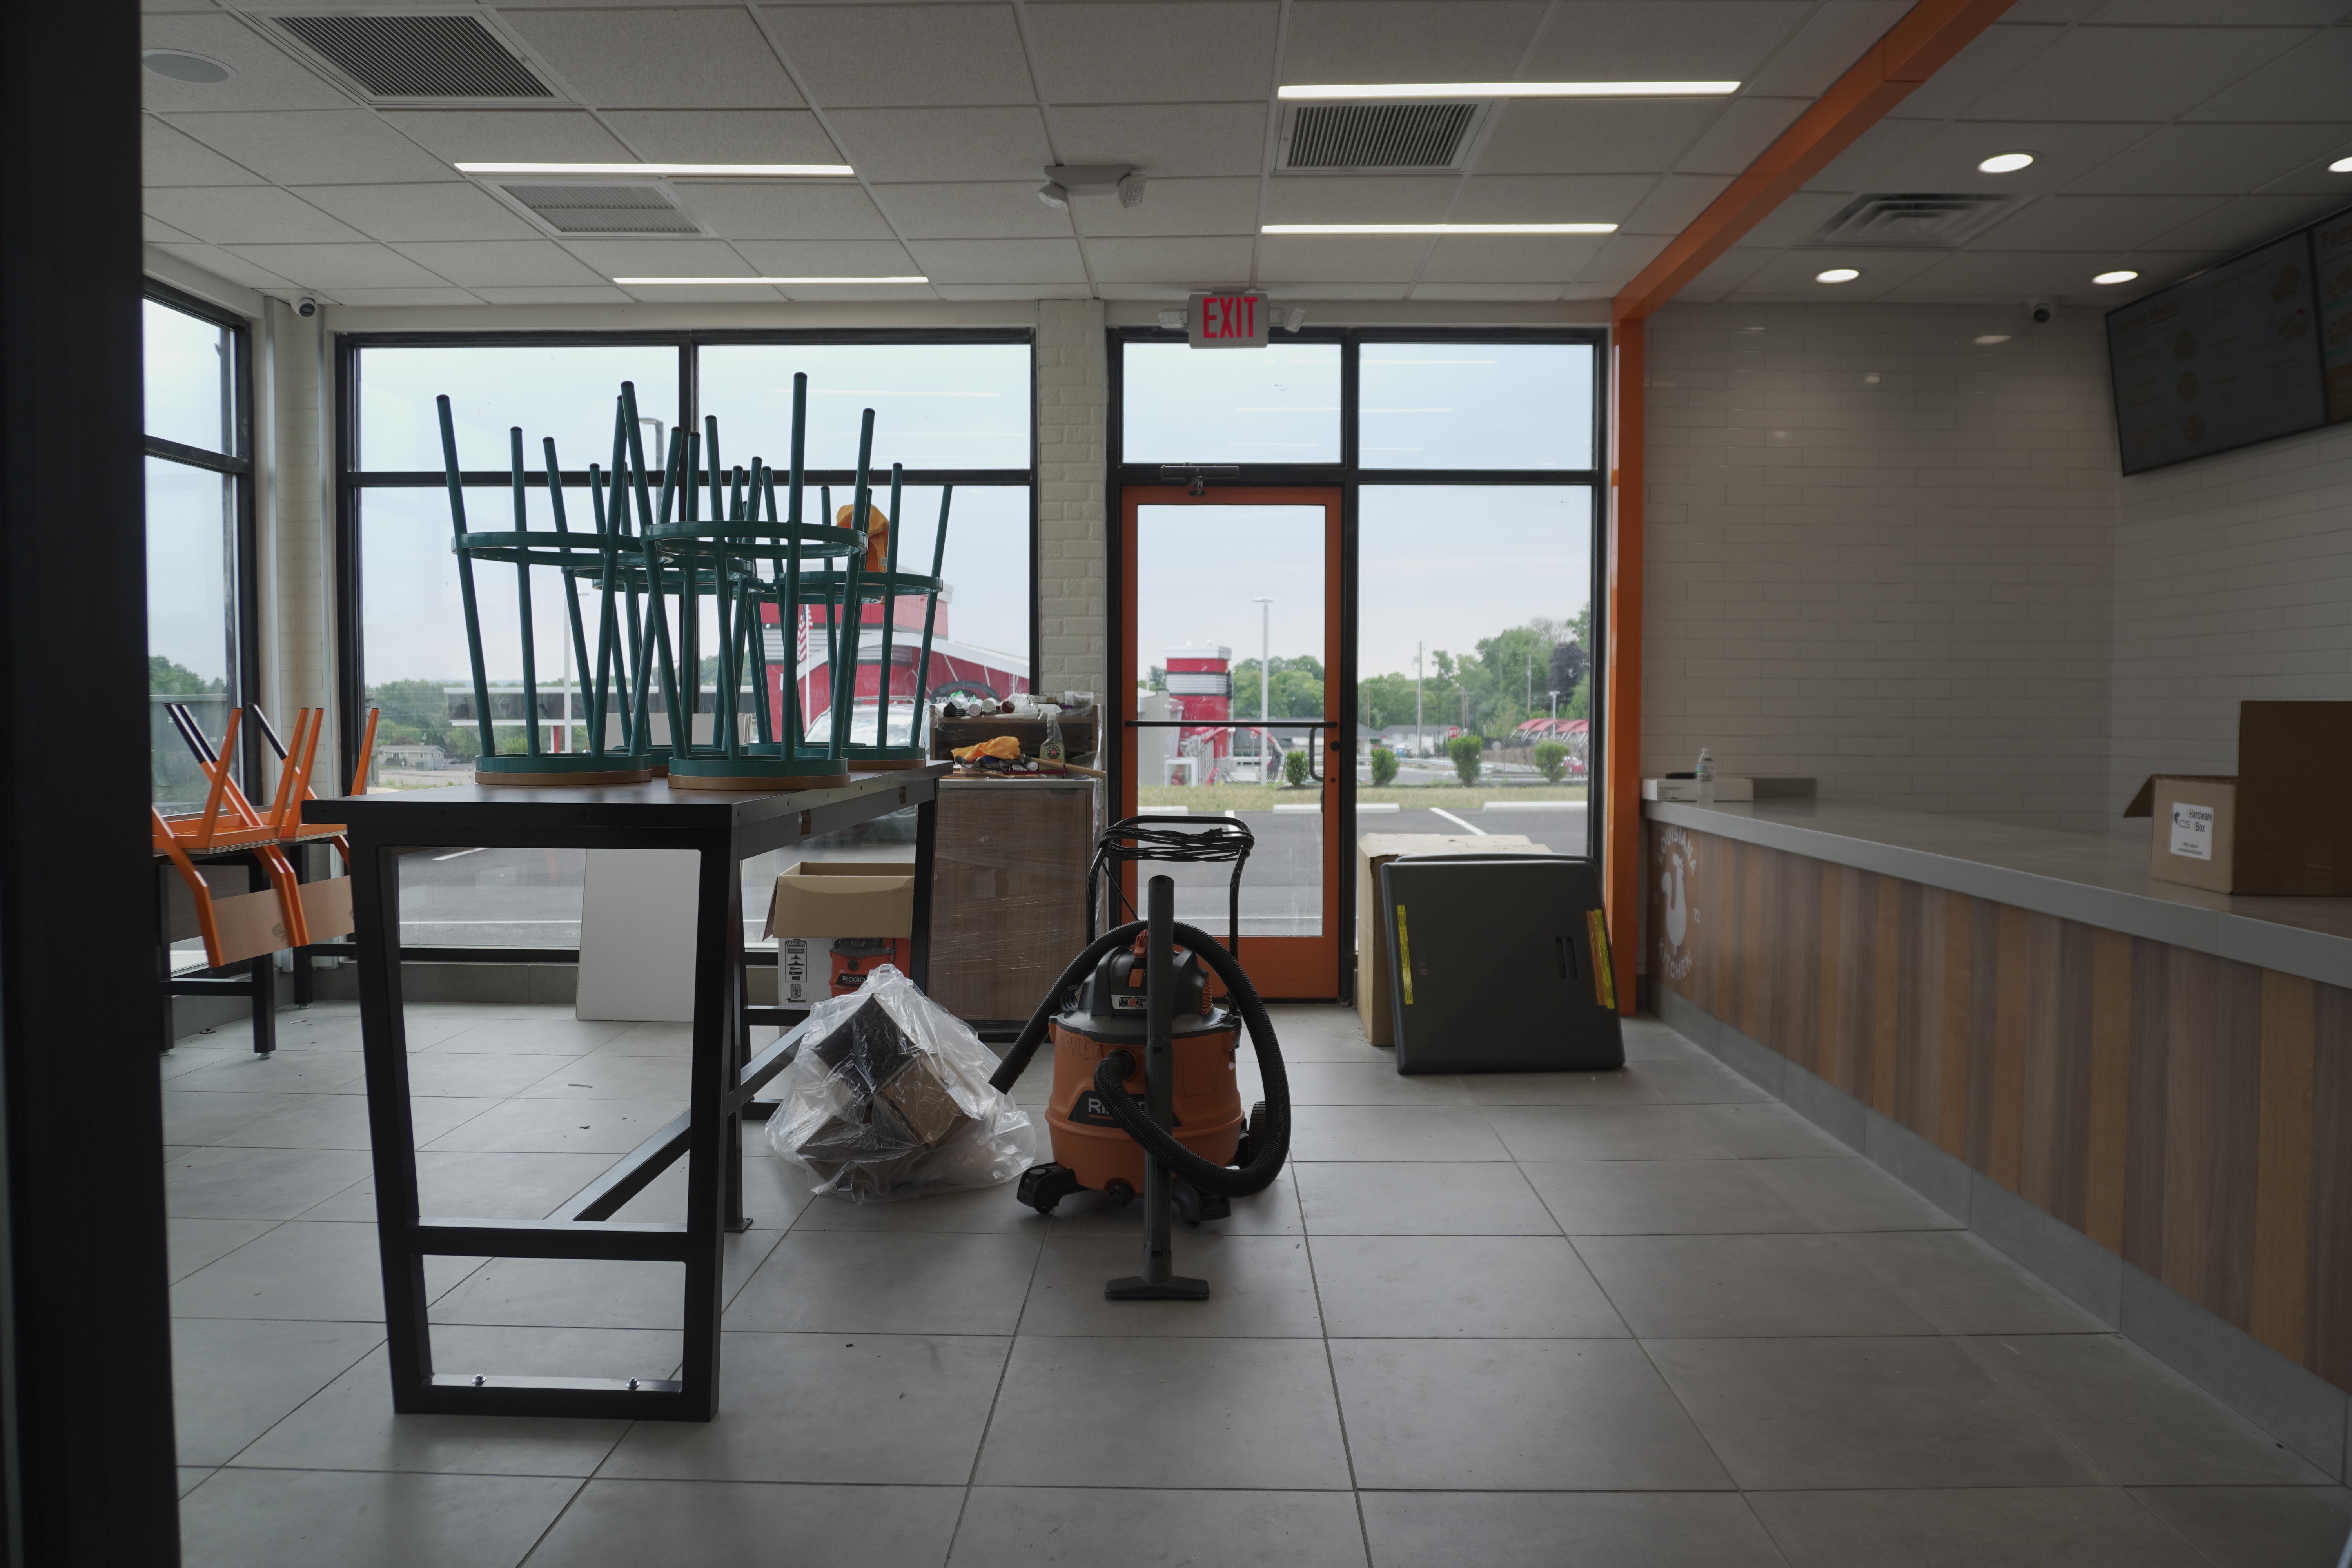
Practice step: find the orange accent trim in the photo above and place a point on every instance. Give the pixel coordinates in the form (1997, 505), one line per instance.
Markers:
(1913, 51)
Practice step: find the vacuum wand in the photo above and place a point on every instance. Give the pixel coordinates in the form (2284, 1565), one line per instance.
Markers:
(1158, 1282)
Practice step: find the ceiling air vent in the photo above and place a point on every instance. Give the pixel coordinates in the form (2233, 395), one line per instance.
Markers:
(417, 57)
(603, 209)
(1364, 137)
(1908, 222)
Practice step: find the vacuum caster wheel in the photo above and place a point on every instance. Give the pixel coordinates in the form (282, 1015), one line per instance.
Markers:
(1044, 1186)
(1118, 1193)
(1251, 1135)
(1193, 1205)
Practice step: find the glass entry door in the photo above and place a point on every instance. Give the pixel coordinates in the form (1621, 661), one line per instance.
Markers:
(1227, 701)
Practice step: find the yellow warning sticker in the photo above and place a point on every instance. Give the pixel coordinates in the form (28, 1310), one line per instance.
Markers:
(1404, 958)
(1604, 983)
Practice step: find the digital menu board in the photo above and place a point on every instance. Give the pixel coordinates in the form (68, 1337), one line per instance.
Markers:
(2228, 357)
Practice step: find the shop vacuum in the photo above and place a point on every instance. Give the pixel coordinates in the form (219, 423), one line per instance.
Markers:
(1145, 1097)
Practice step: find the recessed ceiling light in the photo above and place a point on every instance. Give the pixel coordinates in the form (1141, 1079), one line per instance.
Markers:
(1838, 275)
(1439, 228)
(2341, 166)
(1390, 90)
(2123, 276)
(723, 282)
(1987, 339)
(2005, 162)
(675, 171)
(180, 65)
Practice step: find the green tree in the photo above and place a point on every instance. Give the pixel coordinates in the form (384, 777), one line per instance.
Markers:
(177, 680)
(1385, 766)
(1468, 754)
(1296, 691)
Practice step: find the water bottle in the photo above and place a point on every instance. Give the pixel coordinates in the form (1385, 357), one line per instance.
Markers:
(1706, 771)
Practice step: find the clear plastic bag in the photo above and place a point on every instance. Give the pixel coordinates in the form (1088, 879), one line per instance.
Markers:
(889, 1098)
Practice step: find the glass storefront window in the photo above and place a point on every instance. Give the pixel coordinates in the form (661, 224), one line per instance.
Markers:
(1276, 404)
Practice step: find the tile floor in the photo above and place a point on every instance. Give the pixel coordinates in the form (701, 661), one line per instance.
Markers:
(1648, 1317)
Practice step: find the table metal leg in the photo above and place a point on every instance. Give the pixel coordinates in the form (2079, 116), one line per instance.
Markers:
(264, 971)
(926, 836)
(718, 956)
(383, 1047)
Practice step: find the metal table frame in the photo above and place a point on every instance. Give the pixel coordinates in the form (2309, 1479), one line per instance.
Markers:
(724, 829)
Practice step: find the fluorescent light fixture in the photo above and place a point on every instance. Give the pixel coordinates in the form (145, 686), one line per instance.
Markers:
(2122, 276)
(675, 171)
(1987, 339)
(2341, 166)
(1838, 275)
(723, 282)
(2005, 162)
(1393, 90)
(1439, 228)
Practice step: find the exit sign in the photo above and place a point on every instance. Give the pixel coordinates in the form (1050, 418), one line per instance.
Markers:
(1228, 321)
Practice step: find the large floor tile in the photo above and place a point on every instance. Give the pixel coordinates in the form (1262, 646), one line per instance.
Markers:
(341, 1122)
(194, 1475)
(1648, 1040)
(209, 1116)
(350, 1425)
(322, 1271)
(1700, 1082)
(2257, 1527)
(1370, 1083)
(1274, 1212)
(1660, 1197)
(197, 1242)
(1515, 1416)
(1486, 1287)
(285, 1072)
(1185, 1412)
(195, 1053)
(1029, 1527)
(1850, 1194)
(525, 1036)
(1260, 1286)
(889, 1283)
(1392, 1132)
(2044, 1526)
(1606, 1133)
(653, 1040)
(563, 1126)
(1961, 1285)
(616, 1077)
(517, 1350)
(455, 1073)
(1860, 1413)
(880, 1408)
(1420, 1198)
(479, 1186)
(1547, 1529)
(1768, 1132)
(1622, 1087)
(233, 1379)
(256, 1184)
(306, 1518)
(2141, 1422)
(632, 1524)
(569, 1292)
(989, 1209)
(1701, 1287)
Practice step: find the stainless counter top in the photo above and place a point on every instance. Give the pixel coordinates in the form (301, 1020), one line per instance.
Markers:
(2091, 878)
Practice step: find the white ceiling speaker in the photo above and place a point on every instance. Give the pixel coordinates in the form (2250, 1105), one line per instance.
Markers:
(1063, 181)
(178, 65)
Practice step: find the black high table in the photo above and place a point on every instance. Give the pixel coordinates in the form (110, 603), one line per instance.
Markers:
(724, 829)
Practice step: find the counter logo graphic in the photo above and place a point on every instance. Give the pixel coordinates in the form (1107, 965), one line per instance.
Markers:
(1678, 869)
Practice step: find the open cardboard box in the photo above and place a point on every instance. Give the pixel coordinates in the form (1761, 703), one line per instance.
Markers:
(2280, 826)
(816, 902)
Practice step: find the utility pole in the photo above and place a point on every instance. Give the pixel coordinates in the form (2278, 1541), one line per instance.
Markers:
(1416, 699)
(1264, 689)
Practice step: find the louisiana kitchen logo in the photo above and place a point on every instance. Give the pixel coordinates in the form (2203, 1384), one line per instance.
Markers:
(1678, 863)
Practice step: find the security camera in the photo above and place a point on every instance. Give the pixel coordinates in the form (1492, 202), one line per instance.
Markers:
(306, 307)
(2042, 312)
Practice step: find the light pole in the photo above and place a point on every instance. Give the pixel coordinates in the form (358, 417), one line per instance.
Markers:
(1416, 699)
(1265, 688)
(1555, 702)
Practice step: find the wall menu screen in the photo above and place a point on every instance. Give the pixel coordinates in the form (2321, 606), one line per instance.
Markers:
(2229, 357)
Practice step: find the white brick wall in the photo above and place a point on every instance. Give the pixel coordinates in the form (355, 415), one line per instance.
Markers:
(1879, 555)
(2233, 580)
(1072, 633)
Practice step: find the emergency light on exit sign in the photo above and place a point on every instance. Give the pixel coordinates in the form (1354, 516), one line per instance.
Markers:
(1228, 321)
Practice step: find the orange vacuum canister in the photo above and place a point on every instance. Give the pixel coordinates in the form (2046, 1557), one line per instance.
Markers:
(1106, 1014)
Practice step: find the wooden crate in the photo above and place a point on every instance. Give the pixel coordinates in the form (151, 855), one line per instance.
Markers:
(1008, 892)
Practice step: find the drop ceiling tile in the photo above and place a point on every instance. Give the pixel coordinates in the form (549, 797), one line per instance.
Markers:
(155, 231)
(1861, 166)
(657, 258)
(1638, 136)
(508, 135)
(1740, 134)
(1530, 293)
(2012, 276)
(171, 157)
(339, 265)
(1000, 260)
(1192, 51)
(2095, 224)
(2133, 73)
(2242, 224)
(1552, 259)
(1726, 272)
(829, 258)
(248, 214)
(1551, 198)
(1662, 40)
(1790, 274)
(1407, 40)
(1162, 293)
(876, 56)
(1360, 198)
(224, 264)
(501, 263)
(669, 59)
(1675, 204)
(314, 147)
(603, 294)
(1179, 207)
(1945, 157)
(2244, 13)
(1340, 258)
(2306, 83)
(1997, 52)
(267, 77)
(1826, 46)
(912, 145)
(2211, 159)
(1621, 258)
(1292, 293)
(1171, 139)
(1795, 220)
(733, 294)
(830, 209)
(359, 297)
(2316, 178)
(980, 209)
(452, 209)
(858, 295)
(724, 135)
(1200, 263)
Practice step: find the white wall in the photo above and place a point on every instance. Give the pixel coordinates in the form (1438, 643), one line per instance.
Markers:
(1878, 553)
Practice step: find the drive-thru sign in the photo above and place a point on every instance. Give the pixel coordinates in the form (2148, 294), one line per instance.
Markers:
(1228, 321)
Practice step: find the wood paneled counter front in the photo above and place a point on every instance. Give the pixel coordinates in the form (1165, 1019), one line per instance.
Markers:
(2167, 1071)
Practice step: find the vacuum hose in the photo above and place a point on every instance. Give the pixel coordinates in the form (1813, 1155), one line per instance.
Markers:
(1273, 1143)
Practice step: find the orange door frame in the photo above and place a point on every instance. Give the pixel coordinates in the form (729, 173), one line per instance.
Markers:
(1914, 49)
(1301, 968)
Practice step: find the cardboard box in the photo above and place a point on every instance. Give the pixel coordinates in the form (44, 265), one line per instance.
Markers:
(816, 902)
(809, 969)
(1685, 792)
(2279, 827)
(1374, 850)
